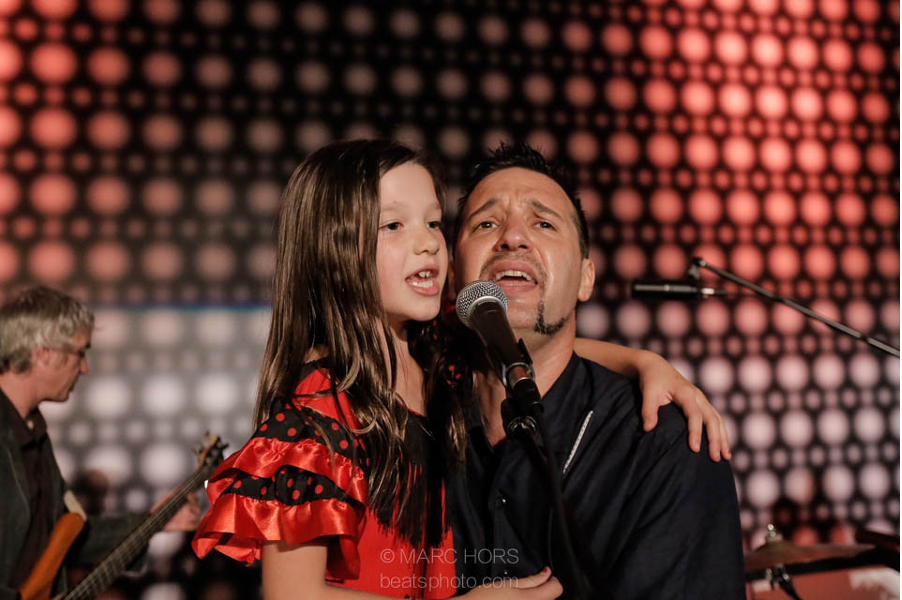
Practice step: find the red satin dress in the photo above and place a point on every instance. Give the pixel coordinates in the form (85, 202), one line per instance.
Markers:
(286, 484)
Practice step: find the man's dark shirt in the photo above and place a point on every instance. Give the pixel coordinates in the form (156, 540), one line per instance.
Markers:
(33, 445)
(655, 520)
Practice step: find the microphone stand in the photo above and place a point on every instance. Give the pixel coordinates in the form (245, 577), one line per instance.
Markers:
(522, 416)
(698, 262)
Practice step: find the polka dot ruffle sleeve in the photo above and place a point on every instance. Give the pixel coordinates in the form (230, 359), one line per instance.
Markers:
(300, 477)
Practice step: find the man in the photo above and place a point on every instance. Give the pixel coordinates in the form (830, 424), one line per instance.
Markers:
(649, 517)
(44, 340)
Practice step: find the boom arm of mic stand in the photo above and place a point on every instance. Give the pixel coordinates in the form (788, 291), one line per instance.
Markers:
(836, 325)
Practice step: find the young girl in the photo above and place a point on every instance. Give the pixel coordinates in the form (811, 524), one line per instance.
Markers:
(341, 485)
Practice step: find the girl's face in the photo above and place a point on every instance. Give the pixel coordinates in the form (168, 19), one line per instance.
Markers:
(411, 256)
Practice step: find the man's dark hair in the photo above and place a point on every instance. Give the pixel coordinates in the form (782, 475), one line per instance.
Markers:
(520, 154)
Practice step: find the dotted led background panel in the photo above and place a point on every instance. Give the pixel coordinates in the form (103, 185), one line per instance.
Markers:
(143, 146)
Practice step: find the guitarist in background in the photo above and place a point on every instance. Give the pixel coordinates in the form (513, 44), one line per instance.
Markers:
(44, 339)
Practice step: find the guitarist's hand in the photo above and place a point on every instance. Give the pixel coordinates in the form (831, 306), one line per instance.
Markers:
(186, 519)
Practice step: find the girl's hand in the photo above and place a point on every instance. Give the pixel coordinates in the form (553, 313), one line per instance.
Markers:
(662, 384)
(541, 586)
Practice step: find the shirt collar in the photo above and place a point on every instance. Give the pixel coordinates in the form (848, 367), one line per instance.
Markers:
(23, 434)
(564, 407)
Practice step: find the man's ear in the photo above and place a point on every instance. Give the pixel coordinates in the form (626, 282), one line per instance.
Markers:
(586, 280)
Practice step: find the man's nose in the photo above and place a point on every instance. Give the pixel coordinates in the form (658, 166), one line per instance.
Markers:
(513, 236)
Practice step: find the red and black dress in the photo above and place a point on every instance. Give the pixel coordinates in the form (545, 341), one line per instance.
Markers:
(287, 484)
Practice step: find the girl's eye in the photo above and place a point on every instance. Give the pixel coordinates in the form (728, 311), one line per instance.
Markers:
(393, 226)
(435, 224)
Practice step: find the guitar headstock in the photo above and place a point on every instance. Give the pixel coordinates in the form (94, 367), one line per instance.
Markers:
(210, 454)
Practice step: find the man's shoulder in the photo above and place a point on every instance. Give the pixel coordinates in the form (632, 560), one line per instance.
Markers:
(615, 394)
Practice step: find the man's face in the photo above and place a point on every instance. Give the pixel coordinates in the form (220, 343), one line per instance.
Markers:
(61, 367)
(518, 229)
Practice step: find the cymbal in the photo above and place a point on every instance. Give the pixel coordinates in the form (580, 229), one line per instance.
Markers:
(783, 552)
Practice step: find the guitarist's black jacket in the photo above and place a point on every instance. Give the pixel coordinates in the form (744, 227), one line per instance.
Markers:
(26, 458)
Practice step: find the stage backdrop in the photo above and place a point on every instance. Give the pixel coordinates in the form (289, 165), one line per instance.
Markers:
(143, 145)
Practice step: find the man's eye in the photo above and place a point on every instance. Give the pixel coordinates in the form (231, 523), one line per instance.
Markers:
(546, 225)
(393, 226)
(485, 225)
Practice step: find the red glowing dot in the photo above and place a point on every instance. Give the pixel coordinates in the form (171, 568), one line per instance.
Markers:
(854, 262)
(705, 207)
(767, 50)
(663, 150)
(880, 159)
(875, 107)
(783, 262)
(9, 193)
(626, 204)
(629, 261)
(841, 105)
(779, 208)
(739, 153)
(815, 209)
(53, 128)
(666, 206)
(54, 9)
(850, 209)
(108, 195)
(53, 195)
(776, 155)
(10, 126)
(51, 261)
(701, 152)
(747, 261)
(582, 146)
(108, 130)
(735, 100)
(866, 10)
(694, 45)
(811, 156)
(108, 66)
(623, 148)
(730, 47)
(617, 39)
(837, 55)
(846, 157)
(834, 10)
(742, 207)
(888, 263)
(771, 102)
(697, 97)
(655, 42)
(764, 7)
(9, 261)
(820, 262)
(884, 209)
(53, 63)
(802, 53)
(659, 95)
(10, 60)
(807, 104)
(108, 261)
(620, 93)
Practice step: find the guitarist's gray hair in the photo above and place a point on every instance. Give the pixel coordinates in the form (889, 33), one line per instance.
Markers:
(39, 316)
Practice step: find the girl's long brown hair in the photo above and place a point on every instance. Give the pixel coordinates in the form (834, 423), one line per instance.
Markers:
(326, 296)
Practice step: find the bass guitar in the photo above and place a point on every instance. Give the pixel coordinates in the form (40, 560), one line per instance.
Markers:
(40, 581)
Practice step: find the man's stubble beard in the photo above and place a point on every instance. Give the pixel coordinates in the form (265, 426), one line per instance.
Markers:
(544, 327)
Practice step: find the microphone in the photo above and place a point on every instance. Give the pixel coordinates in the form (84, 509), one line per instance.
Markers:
(482, 306)
(673, 290)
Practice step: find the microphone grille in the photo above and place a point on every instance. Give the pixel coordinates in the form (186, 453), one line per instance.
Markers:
(476, 293)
